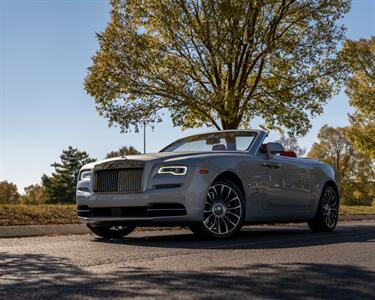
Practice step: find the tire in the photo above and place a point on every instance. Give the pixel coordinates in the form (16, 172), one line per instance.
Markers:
(114, 232)
(224, 211)
(326, 217)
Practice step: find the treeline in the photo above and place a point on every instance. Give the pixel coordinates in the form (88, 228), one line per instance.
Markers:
(60, 186)
(351, 150)
(355, 172)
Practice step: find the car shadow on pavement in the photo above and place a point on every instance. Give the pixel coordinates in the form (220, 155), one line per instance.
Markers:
(257, 238)
(44, 276)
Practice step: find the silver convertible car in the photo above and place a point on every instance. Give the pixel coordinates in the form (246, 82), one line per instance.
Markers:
(213, 183)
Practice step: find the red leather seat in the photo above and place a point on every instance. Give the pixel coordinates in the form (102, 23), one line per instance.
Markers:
(288, 153)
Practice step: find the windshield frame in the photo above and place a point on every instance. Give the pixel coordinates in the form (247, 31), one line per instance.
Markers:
(177, 143)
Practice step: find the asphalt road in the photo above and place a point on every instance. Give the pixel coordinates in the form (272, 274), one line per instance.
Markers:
(263, 262)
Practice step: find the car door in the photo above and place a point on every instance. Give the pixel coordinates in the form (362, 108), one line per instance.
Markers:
(255, 178)
(289, 188)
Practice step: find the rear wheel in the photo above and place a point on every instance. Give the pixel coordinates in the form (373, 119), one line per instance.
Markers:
(223, 213)
(328, 211)
(111, 232)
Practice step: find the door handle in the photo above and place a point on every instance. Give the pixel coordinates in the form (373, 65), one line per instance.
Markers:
(271, 165)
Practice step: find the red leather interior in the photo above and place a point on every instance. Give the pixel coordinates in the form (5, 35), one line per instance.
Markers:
(288, 153)
(263, 149)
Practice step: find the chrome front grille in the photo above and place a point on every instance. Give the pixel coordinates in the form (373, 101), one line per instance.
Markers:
(118, 180)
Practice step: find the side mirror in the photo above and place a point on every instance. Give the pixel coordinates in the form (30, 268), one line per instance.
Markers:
(275, 148)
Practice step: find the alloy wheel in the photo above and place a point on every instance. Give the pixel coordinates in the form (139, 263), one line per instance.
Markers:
(330, 207)
(223, 210)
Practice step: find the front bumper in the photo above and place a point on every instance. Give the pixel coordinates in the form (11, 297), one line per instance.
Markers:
(151, 207)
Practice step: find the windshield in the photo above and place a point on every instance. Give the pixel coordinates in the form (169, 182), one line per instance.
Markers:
(218, 141)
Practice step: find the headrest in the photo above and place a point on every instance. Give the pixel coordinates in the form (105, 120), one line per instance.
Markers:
(219, 147)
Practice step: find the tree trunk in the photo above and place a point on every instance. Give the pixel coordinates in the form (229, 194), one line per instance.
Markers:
(228, 125)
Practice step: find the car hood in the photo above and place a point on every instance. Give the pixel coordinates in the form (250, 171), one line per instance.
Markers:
(161, 157)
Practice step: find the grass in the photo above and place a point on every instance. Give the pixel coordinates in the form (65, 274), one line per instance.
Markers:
(37, 214)
(66, 214)
(357, 210)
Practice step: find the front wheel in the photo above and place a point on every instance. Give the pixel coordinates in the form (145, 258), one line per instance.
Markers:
(223, 213)
(111, 232)
(327, 215)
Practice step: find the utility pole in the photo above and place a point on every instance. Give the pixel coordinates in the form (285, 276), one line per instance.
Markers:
(144, 136)
(144, 121)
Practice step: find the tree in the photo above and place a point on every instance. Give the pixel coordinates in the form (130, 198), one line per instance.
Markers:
(354, 172)
(8, 193)
(360, 88)
(60, 186)
(123, 151)
(290, 143)
(218, 62)
(34, 194)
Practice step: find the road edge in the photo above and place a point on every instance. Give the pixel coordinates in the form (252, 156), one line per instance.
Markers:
(75, 229)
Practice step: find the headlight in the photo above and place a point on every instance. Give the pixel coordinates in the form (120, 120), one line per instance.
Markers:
(86, 175)
(174, 170)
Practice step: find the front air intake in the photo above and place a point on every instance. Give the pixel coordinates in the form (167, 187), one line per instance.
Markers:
(150, 211)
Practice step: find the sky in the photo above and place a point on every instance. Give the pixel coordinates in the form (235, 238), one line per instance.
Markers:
(45, 50)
